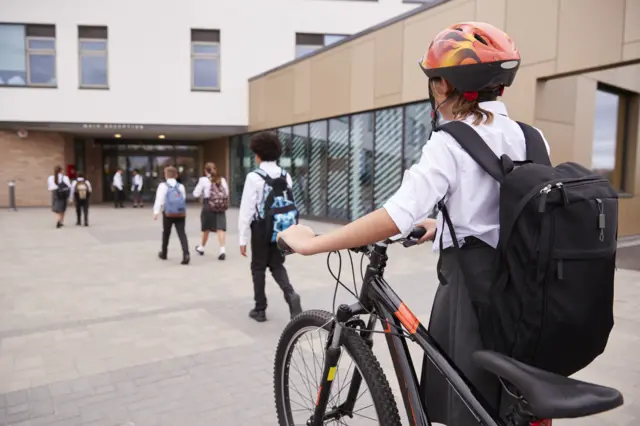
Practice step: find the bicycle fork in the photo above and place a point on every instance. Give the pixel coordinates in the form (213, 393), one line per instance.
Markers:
(332, 357)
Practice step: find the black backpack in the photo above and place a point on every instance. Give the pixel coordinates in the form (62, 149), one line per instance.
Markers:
(552, 302)
(62, 192)
(278, 210)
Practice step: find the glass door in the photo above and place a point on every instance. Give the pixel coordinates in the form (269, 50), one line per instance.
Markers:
(142, 164)
(188, 173)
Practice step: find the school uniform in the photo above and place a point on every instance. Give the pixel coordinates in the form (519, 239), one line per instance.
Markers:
(118, 186)
(58, 205)
(82, 204)
(210, 221)
(471, 196)
(168, 222)
(264, 254)
(136, 190)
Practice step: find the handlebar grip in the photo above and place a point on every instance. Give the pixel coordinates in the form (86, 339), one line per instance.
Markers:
(414, 236)
(284, 247)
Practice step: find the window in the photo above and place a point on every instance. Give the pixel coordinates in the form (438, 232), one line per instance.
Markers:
(307, 43)
(318, 173)
(361, 179)
(338, 168)
(610, 135)
(300, 166)
(92, 45)
(388, 154)
(205, 60)
(27, 55)
(417, 126)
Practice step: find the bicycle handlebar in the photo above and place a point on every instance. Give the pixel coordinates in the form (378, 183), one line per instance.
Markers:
(411, 240)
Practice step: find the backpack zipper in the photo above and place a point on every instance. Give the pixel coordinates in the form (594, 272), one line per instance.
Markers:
(601, 218)
(544, 192)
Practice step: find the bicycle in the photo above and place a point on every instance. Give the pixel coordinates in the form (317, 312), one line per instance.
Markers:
(541, 395)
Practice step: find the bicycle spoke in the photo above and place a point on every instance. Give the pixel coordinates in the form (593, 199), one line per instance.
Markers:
(366, 417)
(306, 383)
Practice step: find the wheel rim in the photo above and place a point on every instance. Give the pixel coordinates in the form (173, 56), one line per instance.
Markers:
(299, 396)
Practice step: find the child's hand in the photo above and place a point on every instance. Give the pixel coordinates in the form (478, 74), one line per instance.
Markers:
(430, 226)
(300, 239)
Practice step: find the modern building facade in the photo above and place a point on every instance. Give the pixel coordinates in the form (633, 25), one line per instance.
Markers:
(354, 115)
(97, 85)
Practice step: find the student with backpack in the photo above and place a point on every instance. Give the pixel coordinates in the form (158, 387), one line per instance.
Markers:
(80, 195)
(59, 186)
(171, 201)
(214, 191)
(267, 207)
(527, 251)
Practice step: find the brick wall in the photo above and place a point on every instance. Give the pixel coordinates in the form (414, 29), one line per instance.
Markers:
(29, 162)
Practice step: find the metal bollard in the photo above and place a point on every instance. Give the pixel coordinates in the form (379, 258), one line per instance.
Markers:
(12, 196)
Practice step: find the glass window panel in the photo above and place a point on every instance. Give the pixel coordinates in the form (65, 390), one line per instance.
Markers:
(332, 38)
(93, 70)
(42, 69)
(303, 50)
(93, 45)
(361, 179)
(13, 57)
(206, 73)
(388, 154)
(417, 127)
(202, 48)
(38, 44)
(318, 168)
(338, 167)
(300, 166)
(284, 134)
(605, 133)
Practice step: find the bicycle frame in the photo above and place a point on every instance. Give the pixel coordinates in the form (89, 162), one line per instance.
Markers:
(378, 297)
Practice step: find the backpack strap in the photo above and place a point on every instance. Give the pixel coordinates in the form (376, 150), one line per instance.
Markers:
(264, 175)
(476, 147)
(536, 148)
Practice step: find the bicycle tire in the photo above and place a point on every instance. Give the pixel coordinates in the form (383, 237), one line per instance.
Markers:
(362, 356)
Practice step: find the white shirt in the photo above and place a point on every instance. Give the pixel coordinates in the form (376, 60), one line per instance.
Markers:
(51, 183)
(73, 186)
(204, 187)
(161, 194)
(117, 181)
(136, 182)
(445, 169)
(252, 198)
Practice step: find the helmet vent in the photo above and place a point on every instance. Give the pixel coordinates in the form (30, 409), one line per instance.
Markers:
(480, 39)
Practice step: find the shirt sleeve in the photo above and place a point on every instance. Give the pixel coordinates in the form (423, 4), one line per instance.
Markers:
(161, 194)
(51, 184)
(225, 186)
(88, 185)
(73, 189)
(183, 191)
(424, 185)
(197, 191)
(247, 209)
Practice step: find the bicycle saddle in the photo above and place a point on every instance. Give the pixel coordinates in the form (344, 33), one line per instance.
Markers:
(549, 395)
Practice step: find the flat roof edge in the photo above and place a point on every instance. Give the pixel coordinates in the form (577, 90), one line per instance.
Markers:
(362, 33)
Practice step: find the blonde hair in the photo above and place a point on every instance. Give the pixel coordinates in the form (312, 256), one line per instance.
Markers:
(212, 170)
(463, 108)
(170, 172)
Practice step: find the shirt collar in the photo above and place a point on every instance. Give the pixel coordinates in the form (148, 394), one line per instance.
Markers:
(265, 165)
(495, 107)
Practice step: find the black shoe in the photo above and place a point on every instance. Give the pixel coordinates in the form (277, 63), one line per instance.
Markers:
(295, 307)
(185, 259)
(78, 223)
(200, 252)
(135, 207)
(259, 316)
(86, 224)
(222, 256)
(58, 225)
(162, 255)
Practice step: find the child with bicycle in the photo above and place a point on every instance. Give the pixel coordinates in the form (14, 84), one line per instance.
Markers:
(468, 66)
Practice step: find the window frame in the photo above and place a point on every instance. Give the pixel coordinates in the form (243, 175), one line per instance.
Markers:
(195, 56)
(40, 52)
(317, 46)
(82, 53)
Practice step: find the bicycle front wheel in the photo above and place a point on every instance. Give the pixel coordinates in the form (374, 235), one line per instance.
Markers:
(298, 369)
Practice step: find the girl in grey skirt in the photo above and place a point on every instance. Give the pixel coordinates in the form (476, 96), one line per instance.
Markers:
(212, 221)
(59, 202)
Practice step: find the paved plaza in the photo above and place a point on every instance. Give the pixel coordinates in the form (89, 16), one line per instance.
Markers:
(95, 330)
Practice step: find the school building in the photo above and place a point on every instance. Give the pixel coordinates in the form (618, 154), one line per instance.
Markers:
(351, 110)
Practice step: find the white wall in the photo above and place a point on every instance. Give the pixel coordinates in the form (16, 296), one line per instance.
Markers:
(149, 57)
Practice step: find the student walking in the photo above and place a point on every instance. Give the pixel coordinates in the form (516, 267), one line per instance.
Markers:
(171, 201)
(215, 202)
(262, 187)
(59, 186)
(118, 189)
(136, 189)
(80, 195)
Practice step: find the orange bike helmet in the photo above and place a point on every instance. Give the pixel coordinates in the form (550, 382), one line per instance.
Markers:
(472, 56)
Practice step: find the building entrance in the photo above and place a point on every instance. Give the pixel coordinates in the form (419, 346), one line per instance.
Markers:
(149, 161)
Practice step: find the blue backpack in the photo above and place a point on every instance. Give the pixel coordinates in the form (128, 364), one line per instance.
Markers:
(175, 205)
(278, 210)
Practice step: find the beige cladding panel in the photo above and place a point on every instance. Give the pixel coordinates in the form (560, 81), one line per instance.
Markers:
(560, 139)
(362, 74)
(388, 61)
(256, 104)
(492, 11)
(330, 83)
(533, 25)
(556, 100)
(632, 21)
(520, 97)
(302, 91)
(278, 96)
(418, 33)
(590, 33)
(585, 114)
(631, 51)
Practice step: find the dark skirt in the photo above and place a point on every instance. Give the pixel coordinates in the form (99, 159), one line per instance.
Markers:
(58, 205)
(454, 325)
(212, 221)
